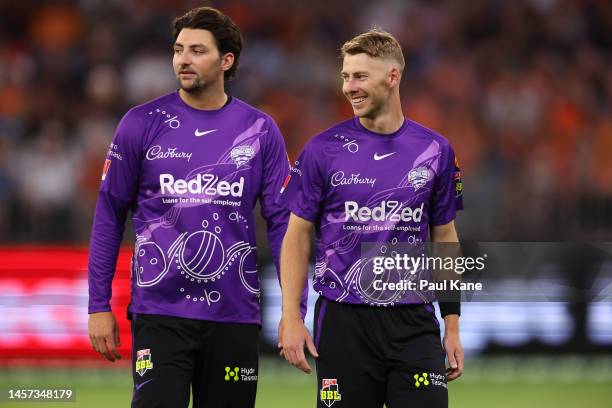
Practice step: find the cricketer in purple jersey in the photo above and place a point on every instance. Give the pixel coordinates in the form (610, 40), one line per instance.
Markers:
(191, 179)
(360, 187)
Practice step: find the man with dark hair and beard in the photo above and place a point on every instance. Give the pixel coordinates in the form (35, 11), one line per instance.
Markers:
(190, 166)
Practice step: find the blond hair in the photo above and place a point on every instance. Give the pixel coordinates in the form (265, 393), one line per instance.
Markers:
(376, 43)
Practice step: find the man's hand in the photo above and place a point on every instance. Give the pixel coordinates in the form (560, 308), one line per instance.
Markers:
(292, 335)
(452, 345)
(104, 335)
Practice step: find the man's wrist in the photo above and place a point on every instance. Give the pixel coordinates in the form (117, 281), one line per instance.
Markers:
(451, 323)
(99, 310)
(293, 313)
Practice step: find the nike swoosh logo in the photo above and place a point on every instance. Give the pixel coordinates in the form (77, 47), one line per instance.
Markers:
(138, 386)
(377, 157)
(198, 133)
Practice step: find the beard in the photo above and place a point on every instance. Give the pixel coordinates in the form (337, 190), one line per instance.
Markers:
(195, 86)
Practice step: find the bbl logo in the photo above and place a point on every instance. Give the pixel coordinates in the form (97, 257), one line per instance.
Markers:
(242, 154)
(143, 361)
(418, 177)
(330, 392)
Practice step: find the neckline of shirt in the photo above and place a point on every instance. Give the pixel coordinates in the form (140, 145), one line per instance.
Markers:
(381, 135)
(228, 103)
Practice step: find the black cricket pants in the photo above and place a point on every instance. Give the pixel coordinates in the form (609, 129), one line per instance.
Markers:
(172, 355)
(370, 356)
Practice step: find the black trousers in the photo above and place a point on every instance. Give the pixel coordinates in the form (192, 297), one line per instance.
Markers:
(218, 362)
(370, 356)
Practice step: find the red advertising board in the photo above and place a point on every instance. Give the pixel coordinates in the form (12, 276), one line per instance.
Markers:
(43, 303)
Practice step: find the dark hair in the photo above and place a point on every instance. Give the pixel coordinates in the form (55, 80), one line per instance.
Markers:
(226, 33)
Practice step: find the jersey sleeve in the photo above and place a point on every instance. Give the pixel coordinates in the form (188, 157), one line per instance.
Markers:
(447, 197)
(275, 169)
(118, 189)
(304, 189)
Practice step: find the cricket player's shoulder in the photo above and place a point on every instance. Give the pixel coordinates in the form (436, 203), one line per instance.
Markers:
(416, 129)
(335, 138)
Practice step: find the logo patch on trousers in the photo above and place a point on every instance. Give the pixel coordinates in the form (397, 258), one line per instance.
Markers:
(231, 374)
(330, 391)
(240, 374)
(420, 380)
(143, 361)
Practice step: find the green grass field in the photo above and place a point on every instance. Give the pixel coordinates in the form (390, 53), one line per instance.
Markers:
(499, 383)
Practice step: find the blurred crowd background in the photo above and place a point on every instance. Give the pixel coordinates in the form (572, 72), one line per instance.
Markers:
(522, 89)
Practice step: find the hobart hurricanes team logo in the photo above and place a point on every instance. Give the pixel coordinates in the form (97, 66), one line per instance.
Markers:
(143, 361)
(330, 392)
(242, 154)
(418, 177)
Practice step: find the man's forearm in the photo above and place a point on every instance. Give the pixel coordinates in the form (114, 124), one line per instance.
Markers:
(106, 235)
(294, 270)
(445, 246)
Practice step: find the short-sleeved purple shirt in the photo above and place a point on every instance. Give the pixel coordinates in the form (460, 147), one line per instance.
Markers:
(359, 187)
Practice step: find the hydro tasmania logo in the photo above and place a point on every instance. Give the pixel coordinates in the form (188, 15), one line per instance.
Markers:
(240, 374)
(143, 361)
(421, 380)
(330, 391)
(206, 184)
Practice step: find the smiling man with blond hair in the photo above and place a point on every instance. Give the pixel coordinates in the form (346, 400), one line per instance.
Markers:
(377, 177)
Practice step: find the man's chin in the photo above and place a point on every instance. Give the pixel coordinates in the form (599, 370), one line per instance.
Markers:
(191, 88)
(361, 113)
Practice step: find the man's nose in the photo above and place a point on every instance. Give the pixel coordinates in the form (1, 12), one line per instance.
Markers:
(183, 59)
(350, 86)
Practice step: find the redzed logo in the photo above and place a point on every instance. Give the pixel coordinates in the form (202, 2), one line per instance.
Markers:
(107, 164)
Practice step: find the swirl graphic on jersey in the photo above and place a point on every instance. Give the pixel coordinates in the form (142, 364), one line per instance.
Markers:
(199, 257)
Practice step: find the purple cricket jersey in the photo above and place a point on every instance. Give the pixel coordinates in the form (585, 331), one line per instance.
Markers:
(361, 187)
(191, 179)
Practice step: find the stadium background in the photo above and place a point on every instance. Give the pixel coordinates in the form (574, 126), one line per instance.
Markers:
(522, 89)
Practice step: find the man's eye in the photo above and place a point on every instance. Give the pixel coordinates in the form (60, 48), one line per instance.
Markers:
(177, 50)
